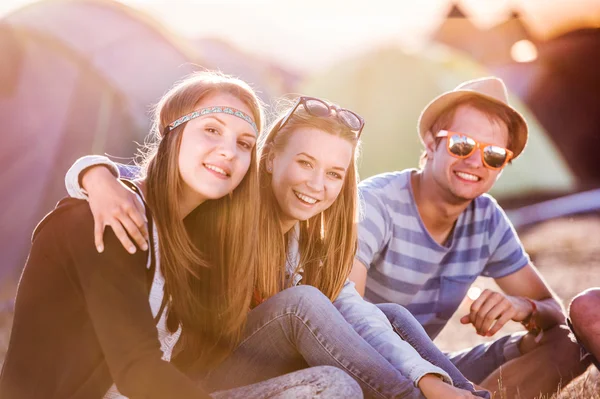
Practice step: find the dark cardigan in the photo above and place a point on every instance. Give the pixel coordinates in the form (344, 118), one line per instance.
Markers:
(83, 321)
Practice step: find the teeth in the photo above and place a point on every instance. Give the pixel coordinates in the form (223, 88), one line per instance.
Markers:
(467, 176)
(216, 169)
(305, 198)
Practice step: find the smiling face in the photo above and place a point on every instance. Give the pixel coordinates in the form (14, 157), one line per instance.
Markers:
(215, 151)
(308, 173)
(466, 179)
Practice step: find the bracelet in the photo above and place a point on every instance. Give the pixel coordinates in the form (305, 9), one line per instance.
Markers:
(530, 324)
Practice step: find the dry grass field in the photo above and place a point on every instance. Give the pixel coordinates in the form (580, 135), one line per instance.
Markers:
(567, 253)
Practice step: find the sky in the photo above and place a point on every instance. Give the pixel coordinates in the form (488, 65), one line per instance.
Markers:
(314, 34)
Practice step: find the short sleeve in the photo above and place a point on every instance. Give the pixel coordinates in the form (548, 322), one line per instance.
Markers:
(507, 254)
(374, 228)
(73, 176)
(72, 181)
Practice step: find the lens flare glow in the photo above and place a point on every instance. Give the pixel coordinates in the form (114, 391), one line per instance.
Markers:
(474, 293)
(524, 51)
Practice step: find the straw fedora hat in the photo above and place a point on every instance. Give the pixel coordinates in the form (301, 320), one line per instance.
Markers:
(489, 88)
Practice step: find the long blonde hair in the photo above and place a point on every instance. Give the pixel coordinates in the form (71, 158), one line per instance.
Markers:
(328, 240)
(208, 260)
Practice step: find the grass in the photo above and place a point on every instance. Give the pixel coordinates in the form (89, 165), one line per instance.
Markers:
(567, 255)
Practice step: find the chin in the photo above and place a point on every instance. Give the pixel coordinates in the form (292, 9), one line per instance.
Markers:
(302, 216)
(467, 196)
(211, 194)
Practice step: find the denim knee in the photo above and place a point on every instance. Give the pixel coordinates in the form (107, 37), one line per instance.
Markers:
(301, 293)
(338, 381)
(393, 310)
(399, 316)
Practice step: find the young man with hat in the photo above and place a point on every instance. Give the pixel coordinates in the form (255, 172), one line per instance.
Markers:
(428, 233)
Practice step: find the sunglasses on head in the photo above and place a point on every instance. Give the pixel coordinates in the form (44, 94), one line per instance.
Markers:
(461, 146)
(319, 108)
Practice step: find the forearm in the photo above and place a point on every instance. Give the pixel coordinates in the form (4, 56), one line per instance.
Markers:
(549, 313)
(73, 182)
(74, 178)
(532, 297)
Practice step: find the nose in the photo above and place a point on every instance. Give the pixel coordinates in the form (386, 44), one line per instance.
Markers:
(474, 160)
(228, 147)
(316, 181)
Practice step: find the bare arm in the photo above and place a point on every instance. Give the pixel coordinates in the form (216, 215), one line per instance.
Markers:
(358, 276)
(497, 308)
(528, 283)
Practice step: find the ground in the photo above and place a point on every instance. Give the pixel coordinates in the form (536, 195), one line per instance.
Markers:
(567, 254)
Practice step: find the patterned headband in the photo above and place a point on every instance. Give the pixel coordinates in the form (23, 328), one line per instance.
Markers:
(213, 110)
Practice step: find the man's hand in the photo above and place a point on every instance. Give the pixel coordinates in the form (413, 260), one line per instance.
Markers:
(493, 306)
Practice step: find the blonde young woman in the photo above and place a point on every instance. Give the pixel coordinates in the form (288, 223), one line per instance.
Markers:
(94, 325)
(303, 175)
(308, 187)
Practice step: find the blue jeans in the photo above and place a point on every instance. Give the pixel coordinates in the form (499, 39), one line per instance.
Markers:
(410, 330)
(300, 327)
(478, 362)
(322, 382)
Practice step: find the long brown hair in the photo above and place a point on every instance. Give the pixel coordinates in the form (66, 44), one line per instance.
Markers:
(328, 240)
(208, 259)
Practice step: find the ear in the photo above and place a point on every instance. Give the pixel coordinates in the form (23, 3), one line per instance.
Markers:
(430, 146)
(270, 158)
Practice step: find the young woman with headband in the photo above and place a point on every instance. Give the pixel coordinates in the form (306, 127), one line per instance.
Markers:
(105, 325)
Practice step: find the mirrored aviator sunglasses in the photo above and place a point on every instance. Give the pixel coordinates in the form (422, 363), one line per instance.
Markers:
(319, 108)
(461, 146)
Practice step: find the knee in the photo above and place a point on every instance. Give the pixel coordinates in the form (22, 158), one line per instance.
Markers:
(584, 309)
(331, 373)
(338, 381)
(303, 294)
(304, 291)
(398, 315)
(564, 349)
(393, 310)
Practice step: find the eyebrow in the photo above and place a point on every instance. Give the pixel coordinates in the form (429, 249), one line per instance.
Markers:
(252, 135)
(314, 159)
(216, 118)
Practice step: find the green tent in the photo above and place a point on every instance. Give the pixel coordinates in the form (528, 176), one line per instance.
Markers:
(389, 88)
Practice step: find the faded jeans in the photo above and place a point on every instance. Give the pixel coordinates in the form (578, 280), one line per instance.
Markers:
(410, 330)
(300, 327)
(322, 382)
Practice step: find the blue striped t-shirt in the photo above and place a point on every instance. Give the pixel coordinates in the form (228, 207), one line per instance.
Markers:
(406, 266)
